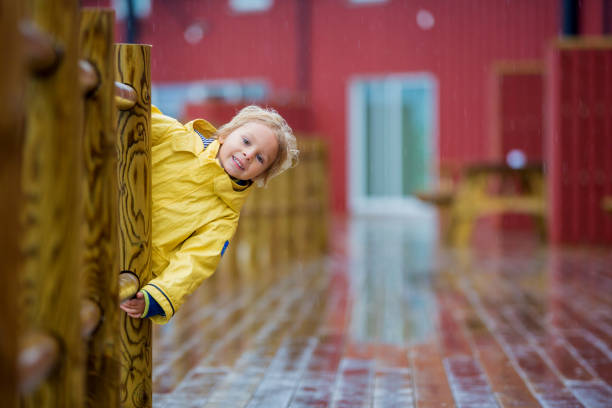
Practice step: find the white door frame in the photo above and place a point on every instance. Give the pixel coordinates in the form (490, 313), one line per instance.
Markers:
(359, 202)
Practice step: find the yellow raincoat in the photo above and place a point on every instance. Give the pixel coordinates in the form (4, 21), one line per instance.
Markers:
(196, 207)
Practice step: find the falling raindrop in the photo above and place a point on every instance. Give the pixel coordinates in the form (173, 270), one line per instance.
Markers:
(425, 19)
(194, 33)
(516, 158)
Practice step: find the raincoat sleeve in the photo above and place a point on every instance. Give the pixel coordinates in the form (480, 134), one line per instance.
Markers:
(195, 261)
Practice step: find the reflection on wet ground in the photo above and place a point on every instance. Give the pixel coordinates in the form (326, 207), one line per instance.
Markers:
(392, 320)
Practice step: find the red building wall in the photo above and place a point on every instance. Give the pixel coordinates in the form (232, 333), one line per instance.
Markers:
(467, 37)
(254, 45)
(517, 116)
(520, 110)
(235, 45)
(319, 45)
(578, 142)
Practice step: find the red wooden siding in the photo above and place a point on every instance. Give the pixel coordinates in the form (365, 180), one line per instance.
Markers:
(318, 45)
(460, 49)
(519, 110)
(517, 114)
(579, 146)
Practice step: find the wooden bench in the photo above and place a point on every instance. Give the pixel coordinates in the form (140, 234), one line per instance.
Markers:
(487, 189)
(606, 203)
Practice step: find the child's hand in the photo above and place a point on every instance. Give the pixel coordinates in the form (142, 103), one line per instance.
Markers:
(134, 307)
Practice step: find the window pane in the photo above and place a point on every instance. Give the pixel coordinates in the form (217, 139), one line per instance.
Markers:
(246, 6)
(367, 1)
(414, 139)
(379, 181)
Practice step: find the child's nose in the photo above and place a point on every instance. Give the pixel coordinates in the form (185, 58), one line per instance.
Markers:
(248, 154)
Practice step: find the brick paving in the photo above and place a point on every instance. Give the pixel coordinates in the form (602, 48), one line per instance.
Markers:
(392, 320)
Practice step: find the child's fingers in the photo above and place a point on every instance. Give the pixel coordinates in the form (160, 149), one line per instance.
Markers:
(132, 312)
(128, 310)
(131, 308)
(134, 302)
(134, 307)
(128, 304)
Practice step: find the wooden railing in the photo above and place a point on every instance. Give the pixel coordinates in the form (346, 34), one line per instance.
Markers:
(65, 101)
(75, 138)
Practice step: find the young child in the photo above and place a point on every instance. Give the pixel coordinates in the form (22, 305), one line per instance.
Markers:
(201, 177)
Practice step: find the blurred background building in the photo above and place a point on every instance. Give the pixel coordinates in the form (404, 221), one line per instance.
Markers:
(405, 92)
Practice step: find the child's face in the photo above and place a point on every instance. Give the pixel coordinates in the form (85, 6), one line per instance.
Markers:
(248, 151)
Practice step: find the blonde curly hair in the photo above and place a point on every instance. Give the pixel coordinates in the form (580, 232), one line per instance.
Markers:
(288, 152)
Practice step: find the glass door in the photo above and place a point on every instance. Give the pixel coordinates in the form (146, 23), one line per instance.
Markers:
(392, 137)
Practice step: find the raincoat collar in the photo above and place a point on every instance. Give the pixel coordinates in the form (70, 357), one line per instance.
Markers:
(204, 127)
(230, 192)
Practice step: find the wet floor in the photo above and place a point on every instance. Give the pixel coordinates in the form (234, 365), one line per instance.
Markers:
(390, 319)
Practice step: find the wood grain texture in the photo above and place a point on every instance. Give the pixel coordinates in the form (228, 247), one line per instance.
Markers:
(11, 138)
(101, 252)
(53, 207)
(133, 67)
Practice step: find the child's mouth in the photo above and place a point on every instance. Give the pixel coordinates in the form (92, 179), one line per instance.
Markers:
(238, 163)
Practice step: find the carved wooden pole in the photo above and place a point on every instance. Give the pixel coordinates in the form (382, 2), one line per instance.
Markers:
(246, 247)
(299, 205)
(11, 111)
(281, 243)
(321, 206)
(134, 172)
(52, 204)
(101, 257)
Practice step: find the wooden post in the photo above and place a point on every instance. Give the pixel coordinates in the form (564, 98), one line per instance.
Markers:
(322, 217)
(246, 250)
(313, 189)
(262, 242)
(292, 203)
(281, 230)
(299, 205)
(101, 261)
(134, 172)
(52, 208)
(11, 111)
(226, 278)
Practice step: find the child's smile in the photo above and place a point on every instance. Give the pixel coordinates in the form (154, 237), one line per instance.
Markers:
(238, 162)
(248, 151)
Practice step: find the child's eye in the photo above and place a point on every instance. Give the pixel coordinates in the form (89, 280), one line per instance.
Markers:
(245, 140)
(260, 158)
